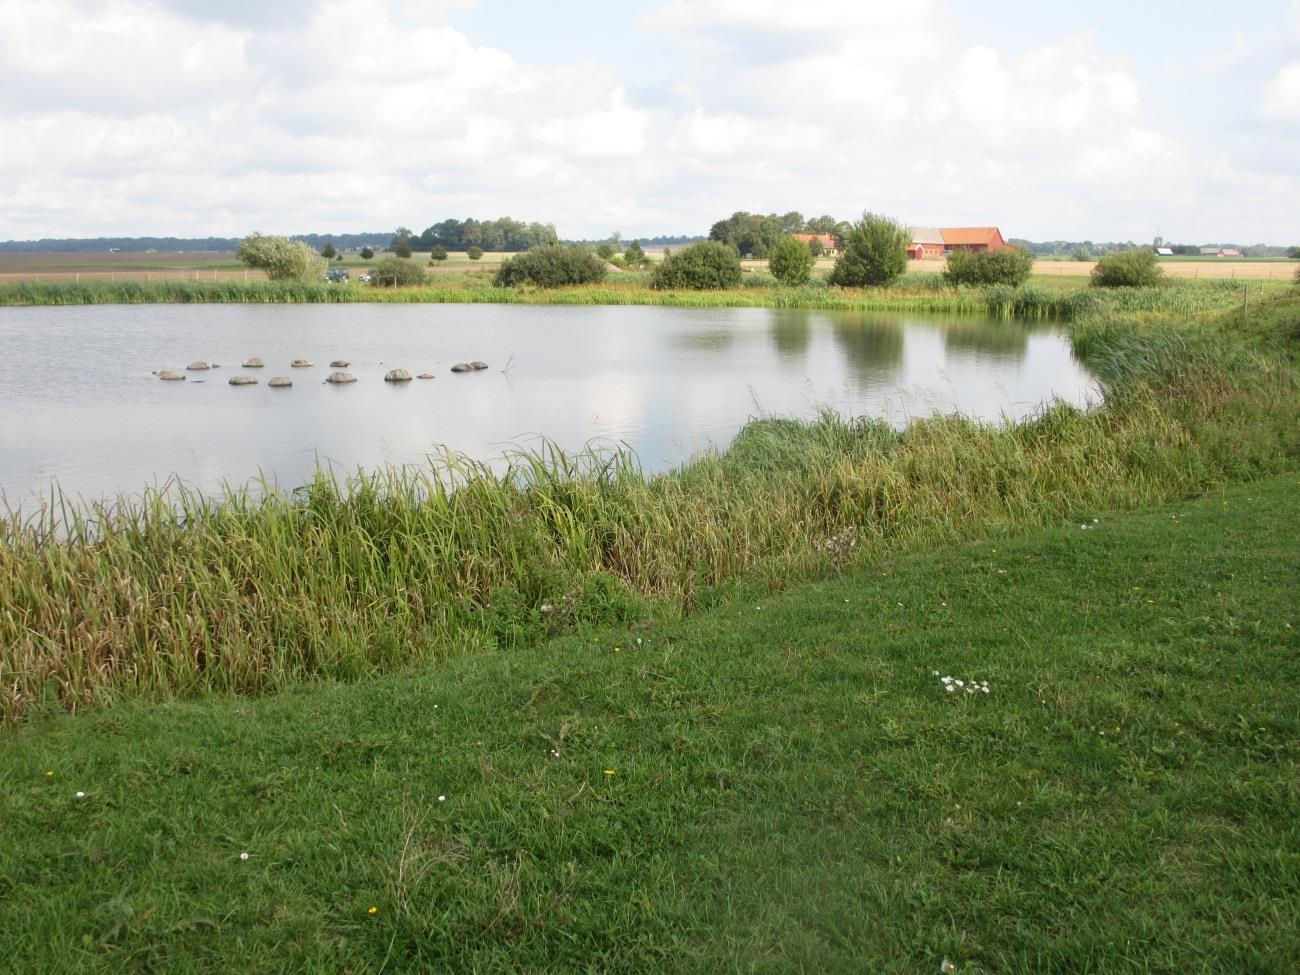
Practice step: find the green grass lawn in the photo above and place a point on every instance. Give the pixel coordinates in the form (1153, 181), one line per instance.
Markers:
(779, 783)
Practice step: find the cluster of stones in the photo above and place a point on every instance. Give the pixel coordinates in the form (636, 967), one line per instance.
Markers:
(338, 377)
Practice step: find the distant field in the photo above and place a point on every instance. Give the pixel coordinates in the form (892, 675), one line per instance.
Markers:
(181, 266)
(223, 266)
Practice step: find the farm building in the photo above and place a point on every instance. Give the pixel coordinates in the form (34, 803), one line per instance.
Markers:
(1165, 251)
(938, 241)
(827, 241)
(1220, 252)
(926, 242)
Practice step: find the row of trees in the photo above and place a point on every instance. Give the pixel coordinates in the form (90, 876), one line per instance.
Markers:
(758, 235)
(502, 234)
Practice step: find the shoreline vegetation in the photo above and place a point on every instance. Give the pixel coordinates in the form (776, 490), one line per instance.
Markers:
(1042, 297)
(173, 595)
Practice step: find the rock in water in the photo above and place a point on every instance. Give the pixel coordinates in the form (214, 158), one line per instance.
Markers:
(462, 367)
(478, 364)
(340, 377)
(170, 374)
(279, 382)
(197, 366)
(254, 362)
(301, 363)
(397, 376)
(340, 364)
(425, 375)
(242, 381)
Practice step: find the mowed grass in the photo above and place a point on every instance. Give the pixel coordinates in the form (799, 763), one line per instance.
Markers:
(781, 783)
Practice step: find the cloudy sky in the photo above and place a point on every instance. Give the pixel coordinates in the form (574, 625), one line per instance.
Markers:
(1114, 119)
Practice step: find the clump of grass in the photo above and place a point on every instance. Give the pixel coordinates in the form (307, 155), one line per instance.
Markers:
(175, 594)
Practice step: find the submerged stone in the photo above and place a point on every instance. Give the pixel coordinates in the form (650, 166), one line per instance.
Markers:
(170, 374)
(340, 364)
(254, 362)
(478, 364)
(242, 381)
(397, 376)
(197, 366)
(340, 377)
(279, 382)
(425, 375)
(301, 363)
(462, 367)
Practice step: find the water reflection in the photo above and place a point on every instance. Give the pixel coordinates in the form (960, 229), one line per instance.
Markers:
(81, 407)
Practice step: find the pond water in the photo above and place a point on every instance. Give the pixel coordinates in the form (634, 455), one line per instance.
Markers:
(80, 408)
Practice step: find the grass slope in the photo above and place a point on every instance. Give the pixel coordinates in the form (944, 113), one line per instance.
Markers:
(778, 784)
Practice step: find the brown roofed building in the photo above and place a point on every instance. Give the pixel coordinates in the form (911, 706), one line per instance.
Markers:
(827, 241)
(938, 241)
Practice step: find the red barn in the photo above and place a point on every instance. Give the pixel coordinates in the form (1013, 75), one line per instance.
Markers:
(827, 241)
(936, 242)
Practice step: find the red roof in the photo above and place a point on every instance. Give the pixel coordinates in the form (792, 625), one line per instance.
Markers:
(971, 235)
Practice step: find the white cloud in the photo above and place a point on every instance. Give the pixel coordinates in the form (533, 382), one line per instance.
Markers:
(174, 116)
(1282, 95)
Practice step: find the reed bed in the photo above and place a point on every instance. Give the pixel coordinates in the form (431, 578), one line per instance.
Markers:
(919, 292)
(172, 593)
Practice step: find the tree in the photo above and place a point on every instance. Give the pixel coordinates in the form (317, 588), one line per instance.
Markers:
(792, 262)
(605, 252)
(793, 222)
(282, 259)
(708, 265)
(1135, 268)
(474, 253)
(749, 233)
(367, 253)
(1006, 265)
(874, 253)
(550, 267)
(396, 272)
(437, 253)
(815, 247)
(825, 224)
(1293, 253)
(401, 247)
(633, 255)
(328, 252)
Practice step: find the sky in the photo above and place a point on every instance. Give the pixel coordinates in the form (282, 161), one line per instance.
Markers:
(1111, 120)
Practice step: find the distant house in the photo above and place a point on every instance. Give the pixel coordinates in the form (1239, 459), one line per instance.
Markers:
(1165, 251)
(1220, 252)
(926, 242)
(827, 241)
(939, 241)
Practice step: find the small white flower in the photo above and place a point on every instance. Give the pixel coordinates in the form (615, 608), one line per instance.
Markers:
(985, 689)
(947, 967)
(81, 795)
(442, 798)
(960, 683)
(243, 856)
(949, 688)
(935, 673)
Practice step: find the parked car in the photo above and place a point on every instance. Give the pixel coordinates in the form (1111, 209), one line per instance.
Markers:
(336, 274)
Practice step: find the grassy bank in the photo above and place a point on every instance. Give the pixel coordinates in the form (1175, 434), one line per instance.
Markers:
(916, 292)
(178, 596)
(780, 784)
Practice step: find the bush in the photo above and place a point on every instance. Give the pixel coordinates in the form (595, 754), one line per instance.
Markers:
(1007, 265)
(815, 247)
(282, 259)
(439, 253)
(396, 272)
(367, 253)
(791, 262)
(474, 253)
(633, 255)
(1135, 268)
(551, 267)
(875, 253)
(402, 247)
(605, 251)
(705, 266)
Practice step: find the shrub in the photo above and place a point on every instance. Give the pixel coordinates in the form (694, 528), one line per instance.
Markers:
(367, 253)
(328, 252)
(474, 253)
(439, 253)
(875, 253)
(551, 267)
(707, 265)
(791, 262)
(402, 247)
(815, 247)
(396, 272)
(1007, 265)
(1135, 268)
(282, 259)
(605, 251)
(633, 255)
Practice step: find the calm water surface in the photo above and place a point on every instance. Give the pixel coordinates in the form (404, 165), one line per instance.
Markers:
(79, 407)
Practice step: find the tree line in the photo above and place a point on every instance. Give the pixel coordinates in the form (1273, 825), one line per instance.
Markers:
(757, 235)
(501, 234)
